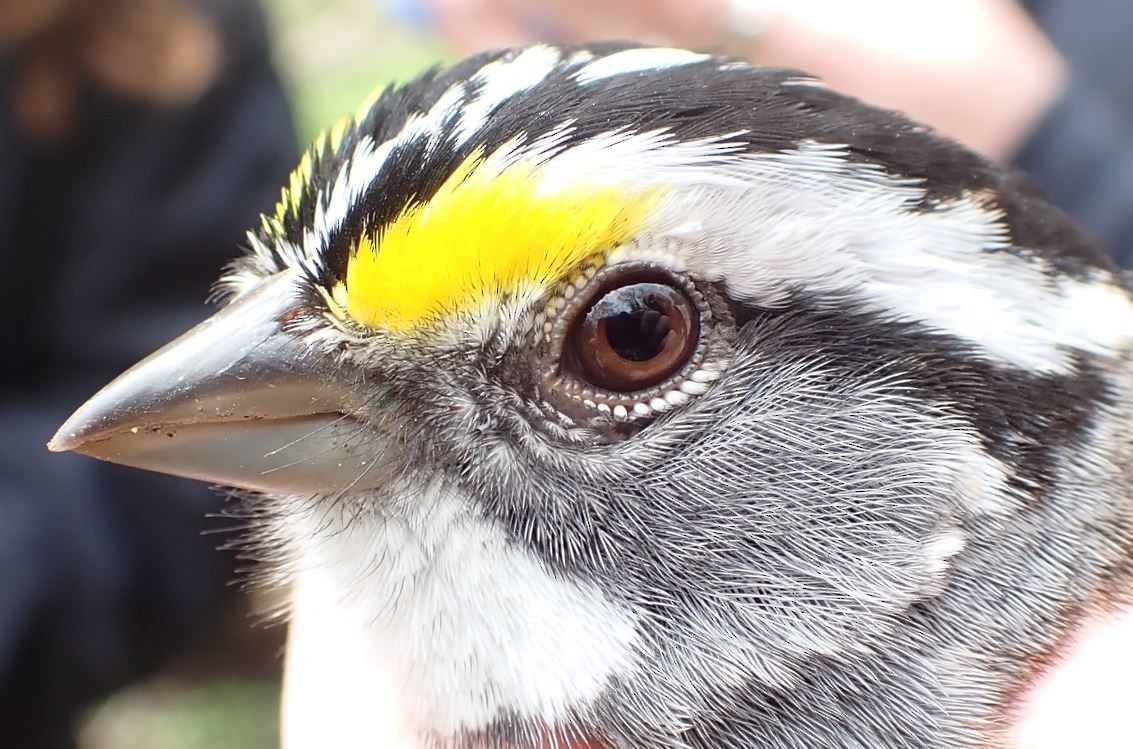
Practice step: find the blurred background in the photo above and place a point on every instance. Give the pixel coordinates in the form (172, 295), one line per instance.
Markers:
(375, 42)
(140, 138)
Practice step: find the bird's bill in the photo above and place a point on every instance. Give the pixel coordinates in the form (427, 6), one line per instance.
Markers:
(238, 401)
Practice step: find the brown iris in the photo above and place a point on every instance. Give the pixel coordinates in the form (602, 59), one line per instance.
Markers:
(635, 335)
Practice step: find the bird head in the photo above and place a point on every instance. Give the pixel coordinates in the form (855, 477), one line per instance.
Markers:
(645, 395)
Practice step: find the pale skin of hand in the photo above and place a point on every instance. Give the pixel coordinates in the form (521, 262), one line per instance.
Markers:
(980, 71)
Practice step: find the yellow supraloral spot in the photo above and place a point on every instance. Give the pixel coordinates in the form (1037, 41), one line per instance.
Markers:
(487, 232)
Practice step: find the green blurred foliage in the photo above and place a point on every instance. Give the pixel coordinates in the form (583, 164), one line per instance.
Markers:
(220, 714)
(333, 53)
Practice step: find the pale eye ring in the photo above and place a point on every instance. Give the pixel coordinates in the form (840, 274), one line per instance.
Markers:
(630, 341)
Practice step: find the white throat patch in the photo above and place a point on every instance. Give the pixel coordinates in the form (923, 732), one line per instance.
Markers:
(434, 609)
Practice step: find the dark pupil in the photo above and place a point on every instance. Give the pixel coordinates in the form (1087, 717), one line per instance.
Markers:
(639, 335)
(634, 319)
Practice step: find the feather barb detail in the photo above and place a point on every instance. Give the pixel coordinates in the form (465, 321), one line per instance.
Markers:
(492, 230)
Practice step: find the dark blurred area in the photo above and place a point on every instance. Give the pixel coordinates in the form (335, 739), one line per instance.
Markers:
(1081, 151)
(139, 139)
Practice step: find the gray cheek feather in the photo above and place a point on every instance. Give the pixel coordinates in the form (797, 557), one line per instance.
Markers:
(802, 523)
(816, 557)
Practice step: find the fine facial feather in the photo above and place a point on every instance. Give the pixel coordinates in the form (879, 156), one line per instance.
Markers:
(912, 474)
(434, 592)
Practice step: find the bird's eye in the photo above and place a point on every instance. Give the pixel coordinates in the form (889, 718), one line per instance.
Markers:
(630, 341)
(634, 336)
